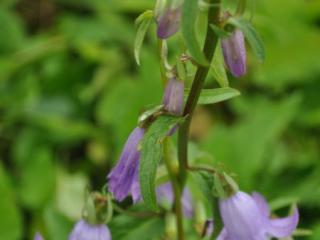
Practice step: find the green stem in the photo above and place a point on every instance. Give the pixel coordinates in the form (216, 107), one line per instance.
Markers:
(201, 74)
(176, 188)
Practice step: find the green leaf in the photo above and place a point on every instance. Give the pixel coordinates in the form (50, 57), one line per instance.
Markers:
(219, 31)
(35, 193)
(143, 21)
(211, 96)
(251, 35)
(129, 228)
(10, 221)
(151, 154)
(217, 67)
(189, 17)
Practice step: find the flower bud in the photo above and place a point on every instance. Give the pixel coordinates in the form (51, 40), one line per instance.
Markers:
(168, 21)
(173, 96)
(234, 53)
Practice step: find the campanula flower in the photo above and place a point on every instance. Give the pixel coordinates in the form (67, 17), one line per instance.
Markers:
(168, 22)
(247, 217)
(165, 195)
(173, 96)
(85, 231)
(124, 177)
(234, 53)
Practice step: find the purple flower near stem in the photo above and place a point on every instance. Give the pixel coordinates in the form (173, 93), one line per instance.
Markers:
(124, 177)
(165, 195)
(234, 52)
(85, 231)
(38, 236)
(247, 217)
(169, 22)
(173, 96)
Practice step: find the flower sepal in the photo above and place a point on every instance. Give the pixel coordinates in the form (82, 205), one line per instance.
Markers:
(97, 209)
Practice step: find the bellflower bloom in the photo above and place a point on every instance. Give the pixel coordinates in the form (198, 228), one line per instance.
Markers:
(85, 231)
(165, 194)
(247, 217)
(38, 236)
(124, 177)
(234, 53)
(173, 96)
(169, 22)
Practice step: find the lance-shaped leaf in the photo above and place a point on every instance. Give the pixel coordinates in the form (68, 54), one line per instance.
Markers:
(189, 17)
(251, 35)
(151, 154)
(217, 67)
(143, 22)
(211, 96)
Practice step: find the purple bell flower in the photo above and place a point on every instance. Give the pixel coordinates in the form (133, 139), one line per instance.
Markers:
(173, 96)
(85, 231)
(234, 52)
(38, 236)
(169, 22)
(124, 177)
(247, 217)
(165, 195)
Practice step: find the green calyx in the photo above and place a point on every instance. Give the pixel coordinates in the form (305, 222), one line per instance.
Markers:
(224, 185)
(97, 209)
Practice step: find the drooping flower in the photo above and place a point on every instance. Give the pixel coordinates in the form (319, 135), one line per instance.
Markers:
(165, 195)
(247, 217)
(124, 177)
(208, 228)
(38, 236)
(234, 53)
(85, 231)
(173, 96)
(168, 22)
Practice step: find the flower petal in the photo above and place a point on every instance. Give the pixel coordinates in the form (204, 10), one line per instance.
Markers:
(123, 175)
(169, 23)
(283, 227)
(234, 53)
(262, 203)
(242, 218)
(223, 235)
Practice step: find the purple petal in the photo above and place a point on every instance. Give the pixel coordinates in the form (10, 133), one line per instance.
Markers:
(169, 22)
(283, 227)
(223, 235)
(165, 195)
(187, 204)
(173, 96)
(123, 175)
(38, 237)
(242, 218)
(262, 203)
(234, 53)
(135, 188)
(85, 231)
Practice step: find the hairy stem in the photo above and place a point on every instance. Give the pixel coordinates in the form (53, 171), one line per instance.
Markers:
(201, 74)
(183, 137)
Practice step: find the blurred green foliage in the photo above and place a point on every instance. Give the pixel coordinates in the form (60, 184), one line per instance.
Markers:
(70, 93)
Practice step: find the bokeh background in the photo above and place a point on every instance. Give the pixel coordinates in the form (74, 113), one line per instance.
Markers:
(70, 93)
